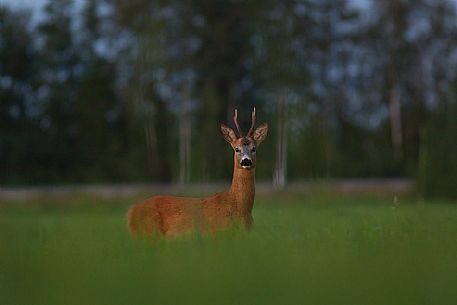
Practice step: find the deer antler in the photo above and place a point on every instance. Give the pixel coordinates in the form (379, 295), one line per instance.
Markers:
(252, 124)
(235, 119)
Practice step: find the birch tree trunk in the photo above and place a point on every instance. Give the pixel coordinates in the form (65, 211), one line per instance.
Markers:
(280, 171)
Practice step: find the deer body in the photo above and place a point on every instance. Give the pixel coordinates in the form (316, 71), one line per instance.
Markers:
(171, 215)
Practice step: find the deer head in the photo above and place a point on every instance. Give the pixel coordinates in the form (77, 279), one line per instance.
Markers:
(245, 147)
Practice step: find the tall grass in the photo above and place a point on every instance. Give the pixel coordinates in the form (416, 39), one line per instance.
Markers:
(300, 251)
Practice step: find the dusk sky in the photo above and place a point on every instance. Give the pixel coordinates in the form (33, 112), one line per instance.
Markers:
(37, 4)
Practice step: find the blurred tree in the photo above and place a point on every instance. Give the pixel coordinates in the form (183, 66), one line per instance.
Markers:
(279, 72)
(222, 32)
(103, 148)
(330, 56)
(60, 74)
(437, 170)
(19, 127)
(149, 85)
(408, 36)
(184, 50)
(300, 61)
(85, 123)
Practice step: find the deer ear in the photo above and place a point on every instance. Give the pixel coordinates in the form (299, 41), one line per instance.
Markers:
(260, 133)
(228, 133)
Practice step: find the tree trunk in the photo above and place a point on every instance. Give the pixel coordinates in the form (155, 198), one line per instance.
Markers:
(280, 171)
(395, 122)
(162, 131)
(151, 143)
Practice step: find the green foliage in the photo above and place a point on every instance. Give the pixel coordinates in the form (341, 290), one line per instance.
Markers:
(437, 171)
(301, 250)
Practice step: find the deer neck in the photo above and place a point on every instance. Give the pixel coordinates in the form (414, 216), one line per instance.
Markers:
(242, 190)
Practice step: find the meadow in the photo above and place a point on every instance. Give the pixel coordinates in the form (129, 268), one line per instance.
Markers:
(303, 249)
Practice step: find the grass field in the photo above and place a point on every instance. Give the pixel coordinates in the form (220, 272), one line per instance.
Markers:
(302, 250)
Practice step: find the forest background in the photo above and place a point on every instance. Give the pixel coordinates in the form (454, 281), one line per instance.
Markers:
(134, 91)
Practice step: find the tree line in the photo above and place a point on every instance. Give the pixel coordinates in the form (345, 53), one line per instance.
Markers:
(119, 90)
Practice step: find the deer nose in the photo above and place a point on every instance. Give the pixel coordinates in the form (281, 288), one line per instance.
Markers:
(246, 162)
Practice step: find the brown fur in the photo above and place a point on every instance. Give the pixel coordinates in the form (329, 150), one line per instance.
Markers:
(171, 215)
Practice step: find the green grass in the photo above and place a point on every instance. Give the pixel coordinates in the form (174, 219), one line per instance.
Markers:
(310, 250)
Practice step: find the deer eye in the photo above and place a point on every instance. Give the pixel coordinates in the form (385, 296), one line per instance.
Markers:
(237, 149)
(253, 150)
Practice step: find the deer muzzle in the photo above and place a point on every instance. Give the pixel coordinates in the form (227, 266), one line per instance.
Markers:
(246, 162)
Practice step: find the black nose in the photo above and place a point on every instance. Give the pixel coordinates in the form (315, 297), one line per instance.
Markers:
(246, 162)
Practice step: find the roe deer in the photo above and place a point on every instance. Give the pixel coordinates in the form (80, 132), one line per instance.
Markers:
(171, 215)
